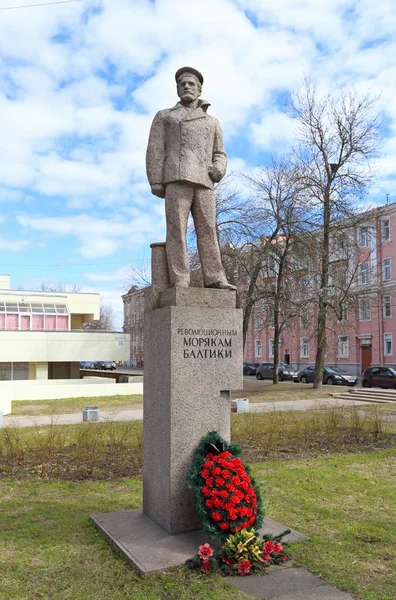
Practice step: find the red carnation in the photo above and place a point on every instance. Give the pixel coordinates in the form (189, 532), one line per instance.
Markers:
(226, 474)
(205, 491)
(232, 515)
(234, 499)
(278, 548)
(225, 454)
(216, 516)
(269, 547)
(224, 493)
(204, 473)
(216, 471)
(224, 525)
(230, 487)
(244, 567)
(209, 503)
(217, 503)
(219, 481)
(205, 551)
(208, 464)
(266, 557)
(205, 566)
(235, 480)
(239, 494)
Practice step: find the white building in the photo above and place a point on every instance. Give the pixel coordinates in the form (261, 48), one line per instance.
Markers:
(42, 335)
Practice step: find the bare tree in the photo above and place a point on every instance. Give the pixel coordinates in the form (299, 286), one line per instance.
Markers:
(338, 136)
(279, 199)
(74, 288)
(105, 321)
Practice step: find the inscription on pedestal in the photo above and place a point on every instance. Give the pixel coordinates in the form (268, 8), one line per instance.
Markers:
(207, 343)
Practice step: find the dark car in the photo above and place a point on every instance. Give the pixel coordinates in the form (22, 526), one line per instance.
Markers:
(331, 376)
(384, 377)
(108, 366)
(266, 371)
(250, 368)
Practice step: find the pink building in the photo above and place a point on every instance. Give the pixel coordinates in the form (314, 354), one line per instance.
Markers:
(366, 333)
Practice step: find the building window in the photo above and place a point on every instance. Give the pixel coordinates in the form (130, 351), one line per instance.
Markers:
(343, 314)
(388, 344)
(343, 346)
(364, 237)
(387, 269)
(304, 348)
(257, 348)
(364, 309)
(271, 348)
(385, 230)
(257, 322)
(387, 306)
(363, 273)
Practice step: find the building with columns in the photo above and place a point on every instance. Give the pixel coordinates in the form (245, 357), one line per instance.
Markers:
(42, 334)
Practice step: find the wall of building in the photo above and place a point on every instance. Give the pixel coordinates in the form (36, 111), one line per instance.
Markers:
(33, 390)
(65, 346)
(370, 337)
(134, 324)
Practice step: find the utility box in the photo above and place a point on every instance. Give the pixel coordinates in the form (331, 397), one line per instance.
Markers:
(240, 405)
(90, 414)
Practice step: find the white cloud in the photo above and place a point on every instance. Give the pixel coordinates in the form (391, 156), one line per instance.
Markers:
(13, 245)
(97, 237)
(276, 130)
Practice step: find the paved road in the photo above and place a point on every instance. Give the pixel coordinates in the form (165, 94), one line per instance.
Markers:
(137, 414)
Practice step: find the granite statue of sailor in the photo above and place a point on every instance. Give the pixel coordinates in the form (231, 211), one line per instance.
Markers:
(185, 157)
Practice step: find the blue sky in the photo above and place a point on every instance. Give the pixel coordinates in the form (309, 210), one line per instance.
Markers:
(81, 82)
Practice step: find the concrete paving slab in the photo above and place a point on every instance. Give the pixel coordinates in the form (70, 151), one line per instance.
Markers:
(277, 583)
(323, 592)
(149, 548)
(273, 528)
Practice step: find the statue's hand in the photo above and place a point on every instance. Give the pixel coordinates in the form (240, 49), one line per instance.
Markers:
(158, 190)
(215, 174)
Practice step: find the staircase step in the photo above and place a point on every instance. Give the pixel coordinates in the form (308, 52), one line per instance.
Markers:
(363, 398)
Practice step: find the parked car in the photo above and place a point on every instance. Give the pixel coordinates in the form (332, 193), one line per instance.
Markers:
(250, 368)
(266, 371)
(331, 376)
(86, 365)
(108, 366)
(384, 377)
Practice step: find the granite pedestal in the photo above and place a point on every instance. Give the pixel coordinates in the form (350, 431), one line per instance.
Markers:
(148, 548)
(193, 358)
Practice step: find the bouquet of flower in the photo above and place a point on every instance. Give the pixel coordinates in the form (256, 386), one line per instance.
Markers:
(241, 554)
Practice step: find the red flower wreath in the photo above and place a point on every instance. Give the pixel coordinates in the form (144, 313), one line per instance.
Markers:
(232, 495)
(224, 490)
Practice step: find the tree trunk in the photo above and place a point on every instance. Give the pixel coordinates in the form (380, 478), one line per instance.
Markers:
(324, 284)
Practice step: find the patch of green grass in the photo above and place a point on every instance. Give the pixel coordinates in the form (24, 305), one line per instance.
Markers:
(346, 505)
(73, 405)
(49, 549)
(265, 391)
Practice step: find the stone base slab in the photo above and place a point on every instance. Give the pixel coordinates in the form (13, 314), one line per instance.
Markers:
(149, 548)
